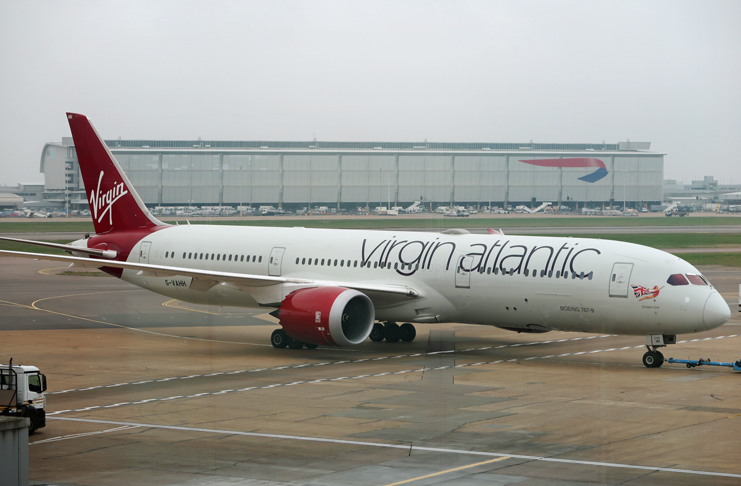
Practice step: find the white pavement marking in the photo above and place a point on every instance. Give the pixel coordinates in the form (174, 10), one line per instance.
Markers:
(326, 363)
(386, 373)
(406, 447)
(86, 434)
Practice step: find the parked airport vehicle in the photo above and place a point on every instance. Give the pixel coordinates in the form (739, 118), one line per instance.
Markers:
(328, 287)
(22, 394)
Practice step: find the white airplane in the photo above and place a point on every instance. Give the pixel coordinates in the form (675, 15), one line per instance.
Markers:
(329, 287)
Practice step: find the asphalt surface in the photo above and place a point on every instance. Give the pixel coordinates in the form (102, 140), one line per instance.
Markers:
(145, 390)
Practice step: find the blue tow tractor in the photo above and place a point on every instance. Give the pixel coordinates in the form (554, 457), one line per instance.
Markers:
(691, 363)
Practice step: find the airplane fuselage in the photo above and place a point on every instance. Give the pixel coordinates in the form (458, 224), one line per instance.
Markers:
(522, 283)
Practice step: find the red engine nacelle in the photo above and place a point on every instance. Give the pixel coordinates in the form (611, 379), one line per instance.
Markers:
(327, 315)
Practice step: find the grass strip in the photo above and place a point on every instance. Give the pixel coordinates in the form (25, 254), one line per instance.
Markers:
(441, 223)
(727, 259)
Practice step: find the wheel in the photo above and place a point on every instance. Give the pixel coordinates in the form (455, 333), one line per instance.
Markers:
(391, 332)
(408, 332)
(377, 333)
(33, 420)
(295, 344)
(653, 359)
(311, 346)
(279, 339)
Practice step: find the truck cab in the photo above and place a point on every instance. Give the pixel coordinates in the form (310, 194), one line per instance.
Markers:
(22, 390)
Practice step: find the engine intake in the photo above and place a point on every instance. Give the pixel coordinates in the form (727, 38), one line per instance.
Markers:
(335, 316)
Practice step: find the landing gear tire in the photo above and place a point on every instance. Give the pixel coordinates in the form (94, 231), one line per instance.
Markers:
(311, 346)
(33, 419)
(408, 332)
(653, 359)
(295, 344)
(377, 333)
(279, 339)
(391, 332)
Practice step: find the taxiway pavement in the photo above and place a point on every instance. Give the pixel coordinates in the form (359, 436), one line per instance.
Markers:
(148, 390)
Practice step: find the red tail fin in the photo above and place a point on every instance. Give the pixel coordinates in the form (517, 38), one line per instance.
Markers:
(114, 203)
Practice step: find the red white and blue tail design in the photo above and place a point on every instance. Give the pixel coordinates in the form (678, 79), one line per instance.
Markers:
(114, 204)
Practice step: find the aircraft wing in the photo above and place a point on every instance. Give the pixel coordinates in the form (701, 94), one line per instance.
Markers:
(208, 278)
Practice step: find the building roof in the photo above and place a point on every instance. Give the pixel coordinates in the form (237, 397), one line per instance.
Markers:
(317, 145)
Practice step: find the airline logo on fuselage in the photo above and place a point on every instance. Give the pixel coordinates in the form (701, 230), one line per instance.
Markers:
(643, 293)
(584, 162)
(102, 203)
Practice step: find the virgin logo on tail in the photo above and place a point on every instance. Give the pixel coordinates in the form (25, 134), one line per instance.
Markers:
(105, 200)
(585, 162)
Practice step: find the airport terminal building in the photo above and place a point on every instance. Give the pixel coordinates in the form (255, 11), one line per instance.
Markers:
(367, 174)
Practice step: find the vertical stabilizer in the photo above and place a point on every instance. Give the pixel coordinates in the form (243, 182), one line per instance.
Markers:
(114, 204)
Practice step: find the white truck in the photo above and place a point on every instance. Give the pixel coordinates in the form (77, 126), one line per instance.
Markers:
(22, 394)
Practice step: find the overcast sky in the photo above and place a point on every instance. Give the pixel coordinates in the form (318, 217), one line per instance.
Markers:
(667, 72)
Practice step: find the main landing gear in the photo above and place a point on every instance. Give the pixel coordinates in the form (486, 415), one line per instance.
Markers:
(279, 339)
(653, 357)
(392, 332)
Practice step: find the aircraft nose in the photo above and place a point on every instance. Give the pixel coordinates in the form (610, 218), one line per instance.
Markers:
(716, 311)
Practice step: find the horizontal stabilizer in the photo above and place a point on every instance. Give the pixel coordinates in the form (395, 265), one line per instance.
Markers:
(70, 248)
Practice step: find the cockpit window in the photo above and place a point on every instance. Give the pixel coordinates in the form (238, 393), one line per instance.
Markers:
(696, 279)
(677, 279)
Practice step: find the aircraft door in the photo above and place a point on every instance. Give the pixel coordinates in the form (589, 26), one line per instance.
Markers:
(463, 276)
(144, 252)
(620, 279)
(275, 262)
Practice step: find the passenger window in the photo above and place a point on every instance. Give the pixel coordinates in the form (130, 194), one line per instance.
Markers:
(322, 261)
(527, 272)
(375, 264)
(206, 256)
(190, 255)
(241, 259)
(696, 279)
(677, 279)
(201, 256)
(230, 258)
(342, 263)
(303, 262)
(356, 263)
(558, 273)
(167, 254)
(218, 257)
(309, 261)
(183, 255)
(550, 273)
(296, 260)
(259, 260)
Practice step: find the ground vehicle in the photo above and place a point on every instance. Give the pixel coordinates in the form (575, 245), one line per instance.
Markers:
(22, 394)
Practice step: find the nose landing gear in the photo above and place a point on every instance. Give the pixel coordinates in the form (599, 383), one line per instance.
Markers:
(653, 357)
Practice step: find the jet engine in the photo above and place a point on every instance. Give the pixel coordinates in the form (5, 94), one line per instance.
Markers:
(334, 316)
